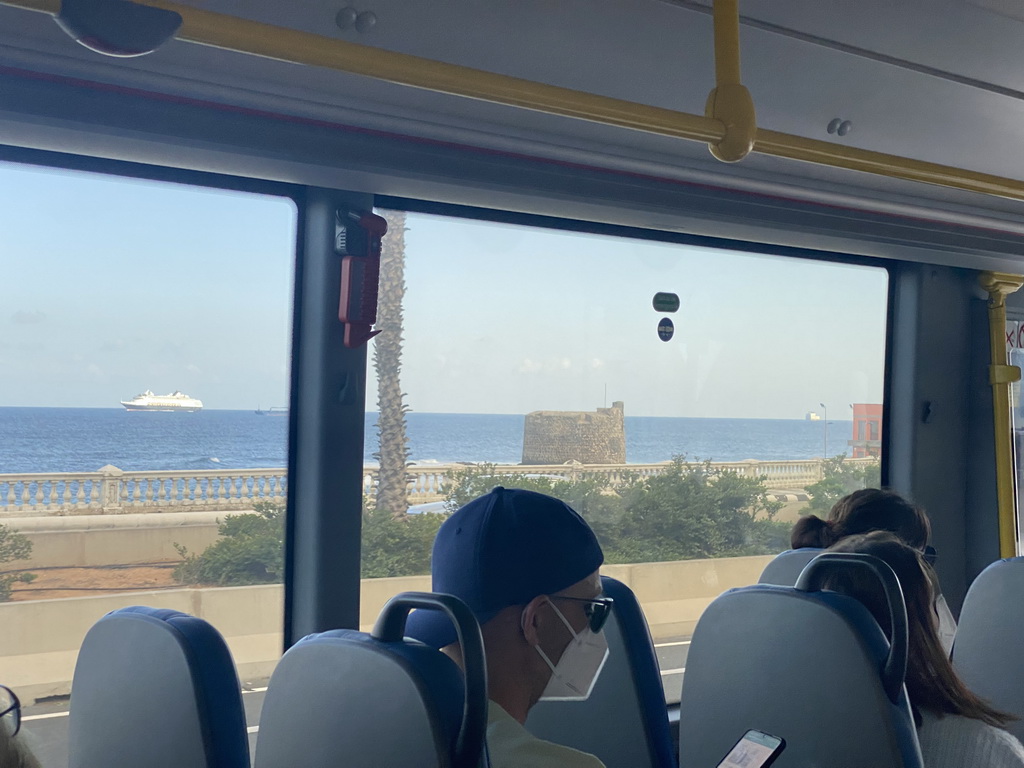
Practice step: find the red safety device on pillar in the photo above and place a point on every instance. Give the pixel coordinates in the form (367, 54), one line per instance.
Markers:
(357, 239)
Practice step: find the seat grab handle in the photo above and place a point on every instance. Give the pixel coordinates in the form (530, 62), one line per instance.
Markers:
(390, 627)
(894, 670)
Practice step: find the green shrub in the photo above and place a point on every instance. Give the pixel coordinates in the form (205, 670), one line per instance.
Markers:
(250, 551)
(691, 510)
(13, 546)
(838, 479)
(398, 546)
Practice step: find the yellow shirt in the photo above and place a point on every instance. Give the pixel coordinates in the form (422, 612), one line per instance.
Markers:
(510, 745)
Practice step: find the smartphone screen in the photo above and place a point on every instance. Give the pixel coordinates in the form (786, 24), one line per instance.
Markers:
(754, 750)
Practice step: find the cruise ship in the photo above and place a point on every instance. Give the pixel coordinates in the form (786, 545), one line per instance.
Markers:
(176, 401)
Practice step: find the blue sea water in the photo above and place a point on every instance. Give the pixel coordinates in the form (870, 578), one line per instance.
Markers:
(85, 439)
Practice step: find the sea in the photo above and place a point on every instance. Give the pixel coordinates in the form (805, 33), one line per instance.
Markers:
(85, 439)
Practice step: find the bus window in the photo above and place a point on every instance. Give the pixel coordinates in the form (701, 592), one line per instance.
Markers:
(143, 425)
(689, 402)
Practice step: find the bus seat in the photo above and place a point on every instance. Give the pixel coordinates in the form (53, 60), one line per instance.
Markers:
(156, 688)
(808, 665)
(785, 569)
(624, 722)
(349, 698)
(988, 653)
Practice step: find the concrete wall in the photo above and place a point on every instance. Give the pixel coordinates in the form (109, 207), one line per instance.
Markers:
(97, 540)
(39, 640)
(674, 595)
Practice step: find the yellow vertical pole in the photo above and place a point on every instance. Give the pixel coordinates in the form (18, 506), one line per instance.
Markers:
(727, 42)
(730, 101)
(1001, 375)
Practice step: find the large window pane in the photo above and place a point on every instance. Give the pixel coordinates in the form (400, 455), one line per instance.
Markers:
(111, 495)
(533, 358)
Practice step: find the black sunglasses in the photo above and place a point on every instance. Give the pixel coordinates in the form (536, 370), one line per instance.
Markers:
(596, 609)
(11, 708)
(930, 555)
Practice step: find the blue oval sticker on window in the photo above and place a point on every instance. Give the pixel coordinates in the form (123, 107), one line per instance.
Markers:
(665, 329)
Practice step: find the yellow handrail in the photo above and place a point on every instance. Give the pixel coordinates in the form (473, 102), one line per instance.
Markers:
(232, 33)
(1001, 375)
(730, 101)
(269, 41)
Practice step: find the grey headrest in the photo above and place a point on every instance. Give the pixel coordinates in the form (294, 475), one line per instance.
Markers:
(785, 569)
(989, 650)
(803, 665)
(156, 688)
(339, 699)
(345, 698)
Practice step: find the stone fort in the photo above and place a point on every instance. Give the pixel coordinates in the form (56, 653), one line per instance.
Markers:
(558, 437)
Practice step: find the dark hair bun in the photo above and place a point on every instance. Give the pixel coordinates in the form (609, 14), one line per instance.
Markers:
(811, 531)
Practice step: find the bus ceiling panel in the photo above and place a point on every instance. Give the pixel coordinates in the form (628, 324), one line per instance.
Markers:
(571, 40)
(60, 117)
(806, 91)
(972, 40)
(618, 54)
(85, 122)
(650, 52)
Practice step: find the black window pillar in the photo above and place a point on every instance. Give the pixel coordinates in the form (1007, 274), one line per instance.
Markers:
(325, 465)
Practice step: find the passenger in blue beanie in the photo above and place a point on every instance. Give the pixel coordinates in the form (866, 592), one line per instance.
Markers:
(527, 565)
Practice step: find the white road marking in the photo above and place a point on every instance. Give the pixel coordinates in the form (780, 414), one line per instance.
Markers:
(51, 715)
(678, 671)
(252, 729)
(26, 718)
(668, 645)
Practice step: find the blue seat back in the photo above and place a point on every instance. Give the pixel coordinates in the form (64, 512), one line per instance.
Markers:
(785, 569)
(156, 688)
(347, 698)
(812, 667)
(989, 650)
(624, 722)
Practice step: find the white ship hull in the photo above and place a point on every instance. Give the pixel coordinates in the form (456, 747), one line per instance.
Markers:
(188, 409)
(176, 401)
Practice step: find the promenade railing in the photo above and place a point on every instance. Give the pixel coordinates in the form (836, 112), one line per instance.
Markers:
(112, 491)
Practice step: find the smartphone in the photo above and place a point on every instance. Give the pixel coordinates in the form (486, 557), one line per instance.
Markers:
(755, 750)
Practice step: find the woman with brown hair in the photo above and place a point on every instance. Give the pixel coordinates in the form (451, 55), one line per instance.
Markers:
(955, 727)
(872, 509)
(863, 511)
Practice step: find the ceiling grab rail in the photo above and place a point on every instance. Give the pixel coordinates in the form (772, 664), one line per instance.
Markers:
(283, 44)
(729, 101)
(1001, 376)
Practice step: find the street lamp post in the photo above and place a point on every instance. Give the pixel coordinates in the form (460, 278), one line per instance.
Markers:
(824, 447)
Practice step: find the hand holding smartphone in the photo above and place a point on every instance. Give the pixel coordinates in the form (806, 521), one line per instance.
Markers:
(755, 749)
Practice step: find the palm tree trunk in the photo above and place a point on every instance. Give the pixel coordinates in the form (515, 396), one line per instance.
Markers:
(392, 487)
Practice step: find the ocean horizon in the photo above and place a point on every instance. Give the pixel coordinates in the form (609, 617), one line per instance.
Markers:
(85, 439)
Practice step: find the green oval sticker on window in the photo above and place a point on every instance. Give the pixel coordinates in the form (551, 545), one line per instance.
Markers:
(665, 302)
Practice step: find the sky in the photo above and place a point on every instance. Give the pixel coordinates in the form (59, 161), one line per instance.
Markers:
(110, 286)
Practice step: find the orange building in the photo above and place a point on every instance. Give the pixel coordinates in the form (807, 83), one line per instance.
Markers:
(867, 430)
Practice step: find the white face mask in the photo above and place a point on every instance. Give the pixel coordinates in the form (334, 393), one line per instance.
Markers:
(573, 678)
(947, 625)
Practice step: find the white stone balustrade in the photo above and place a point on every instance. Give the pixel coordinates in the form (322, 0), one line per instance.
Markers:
(112, 491)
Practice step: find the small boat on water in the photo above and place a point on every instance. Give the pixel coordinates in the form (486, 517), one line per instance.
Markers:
(275, 411)
(176, 401)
